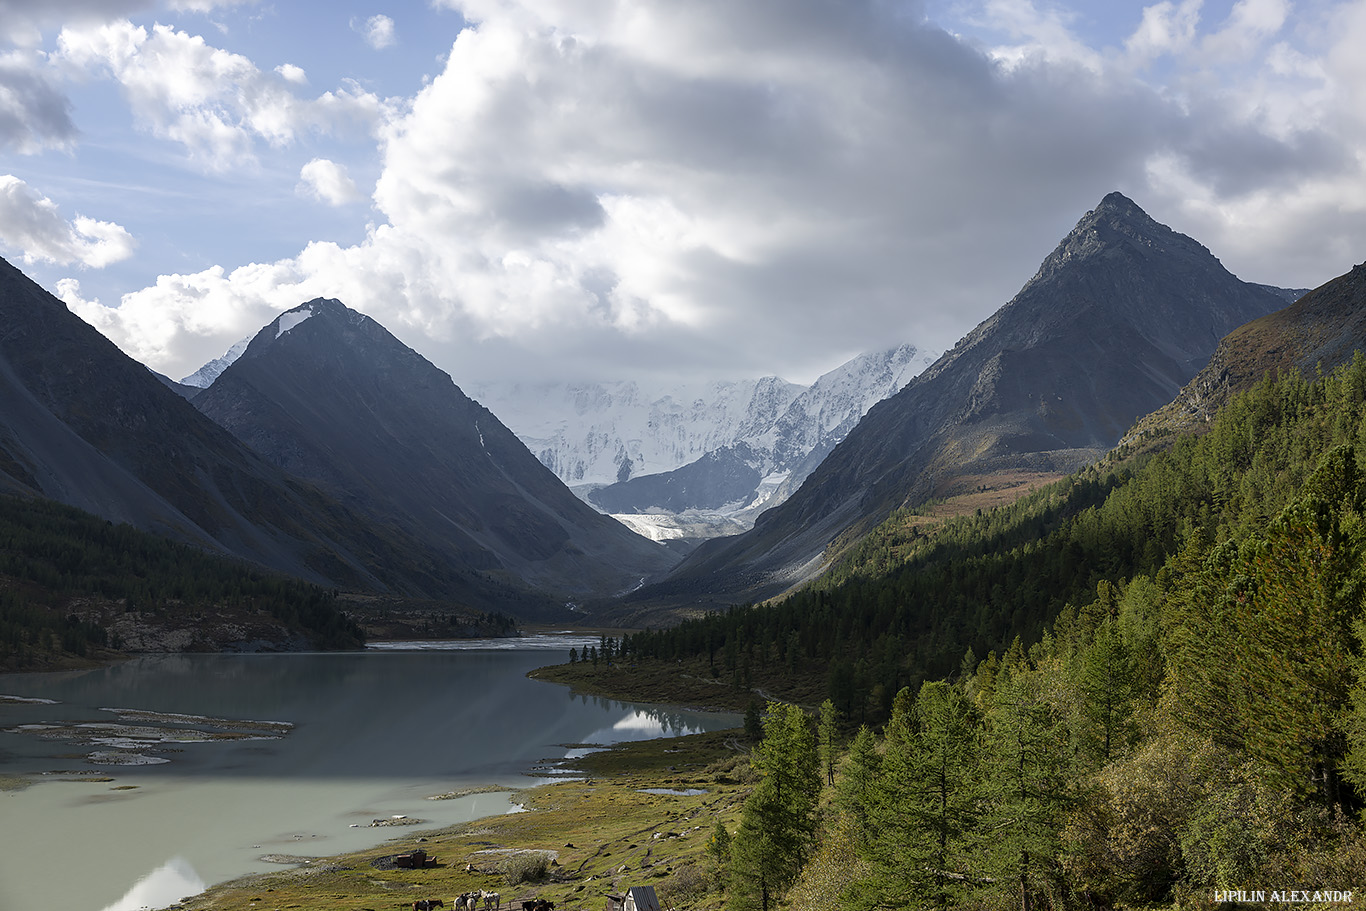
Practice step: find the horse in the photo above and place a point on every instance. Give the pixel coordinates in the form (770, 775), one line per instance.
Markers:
(492, 901)
(428, 904)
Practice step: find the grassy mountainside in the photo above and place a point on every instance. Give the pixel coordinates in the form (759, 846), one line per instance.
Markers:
(1320, 331)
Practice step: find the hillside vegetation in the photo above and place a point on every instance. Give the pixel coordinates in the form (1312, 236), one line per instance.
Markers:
(65, 573)
(1137, 685)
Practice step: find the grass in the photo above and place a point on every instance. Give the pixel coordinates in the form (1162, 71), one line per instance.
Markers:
(600, 835)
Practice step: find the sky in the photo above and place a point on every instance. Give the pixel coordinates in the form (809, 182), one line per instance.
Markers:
(530, 190)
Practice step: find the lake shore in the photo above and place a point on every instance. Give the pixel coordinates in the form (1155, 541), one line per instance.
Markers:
(602, 833)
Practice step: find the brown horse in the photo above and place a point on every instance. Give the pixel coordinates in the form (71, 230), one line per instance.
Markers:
(428, 904)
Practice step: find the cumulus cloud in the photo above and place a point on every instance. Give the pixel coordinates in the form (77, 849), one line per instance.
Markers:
(720, 188)
(329, 182)
(32, 225)
(34, 113)
(378, 31)
(291, 73)
(1167, 28)
(215, 103)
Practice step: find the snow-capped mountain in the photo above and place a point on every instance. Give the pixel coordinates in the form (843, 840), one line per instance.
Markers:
(695, 462)
(203, 377)
(594, 434)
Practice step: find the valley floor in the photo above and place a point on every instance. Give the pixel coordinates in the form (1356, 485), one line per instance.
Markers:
(603, 833)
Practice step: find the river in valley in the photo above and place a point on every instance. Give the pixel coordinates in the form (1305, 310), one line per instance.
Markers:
(164, 774)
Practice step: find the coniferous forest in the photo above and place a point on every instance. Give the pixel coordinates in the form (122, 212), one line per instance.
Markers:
(54, 558)
(1141, 685)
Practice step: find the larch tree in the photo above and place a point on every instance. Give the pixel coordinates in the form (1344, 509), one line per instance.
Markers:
(778, 822)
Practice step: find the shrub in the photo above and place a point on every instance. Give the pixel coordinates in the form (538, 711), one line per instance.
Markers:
(526, 867)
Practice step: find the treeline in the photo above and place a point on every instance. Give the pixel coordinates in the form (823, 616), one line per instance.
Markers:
(1177, 735)
(906, 604)
(52, 555)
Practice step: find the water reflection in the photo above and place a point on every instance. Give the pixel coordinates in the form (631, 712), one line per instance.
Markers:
(165, 885)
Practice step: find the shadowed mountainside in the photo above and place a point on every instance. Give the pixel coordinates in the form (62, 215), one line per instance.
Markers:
(83, 424)
(329, 395)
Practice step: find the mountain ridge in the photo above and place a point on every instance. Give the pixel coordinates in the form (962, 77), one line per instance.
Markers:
(84, 424)
(1321, 329)
(1115, 321)
(328, 394)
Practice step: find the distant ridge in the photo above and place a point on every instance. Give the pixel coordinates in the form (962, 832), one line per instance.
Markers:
(1118, 318)
(203, 377)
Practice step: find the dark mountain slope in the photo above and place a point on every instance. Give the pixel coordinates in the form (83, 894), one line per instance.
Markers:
(328, 394)
(1117, 319)
(1319, 331)
(83, 424)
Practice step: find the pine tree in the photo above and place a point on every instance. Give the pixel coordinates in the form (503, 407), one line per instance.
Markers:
(1106, 689)
(1259, 632)
(857, 785)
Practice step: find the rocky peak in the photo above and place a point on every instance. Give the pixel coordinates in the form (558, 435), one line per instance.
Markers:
(1119, 228)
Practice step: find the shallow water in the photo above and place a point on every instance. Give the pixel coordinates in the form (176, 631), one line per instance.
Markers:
(359, 737)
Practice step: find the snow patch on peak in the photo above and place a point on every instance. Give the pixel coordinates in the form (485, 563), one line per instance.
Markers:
(291, 319)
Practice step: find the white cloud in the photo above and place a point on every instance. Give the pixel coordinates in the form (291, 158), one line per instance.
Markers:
(32, 225)
(291, 73)
(1167, 28)
(215, 103)
(23, 21)
(722, 188)
(329, 182)
(1037, 35)
(1250, 23)
(378, 31)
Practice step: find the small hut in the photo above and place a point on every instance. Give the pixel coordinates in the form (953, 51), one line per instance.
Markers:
(636, 898)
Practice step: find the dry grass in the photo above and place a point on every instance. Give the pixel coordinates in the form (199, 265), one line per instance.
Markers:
(598, 835)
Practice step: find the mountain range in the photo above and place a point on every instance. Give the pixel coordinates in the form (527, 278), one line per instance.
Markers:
(83, 424)
(1119, 317)
(327, 449)
(1322, 329)
(687, 463)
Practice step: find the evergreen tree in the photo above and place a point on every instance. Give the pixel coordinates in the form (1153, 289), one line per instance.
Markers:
(1106, 689)
(925, 805)
(857, 785)
(1030, 779)
(778, 822)
(1259, 634)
